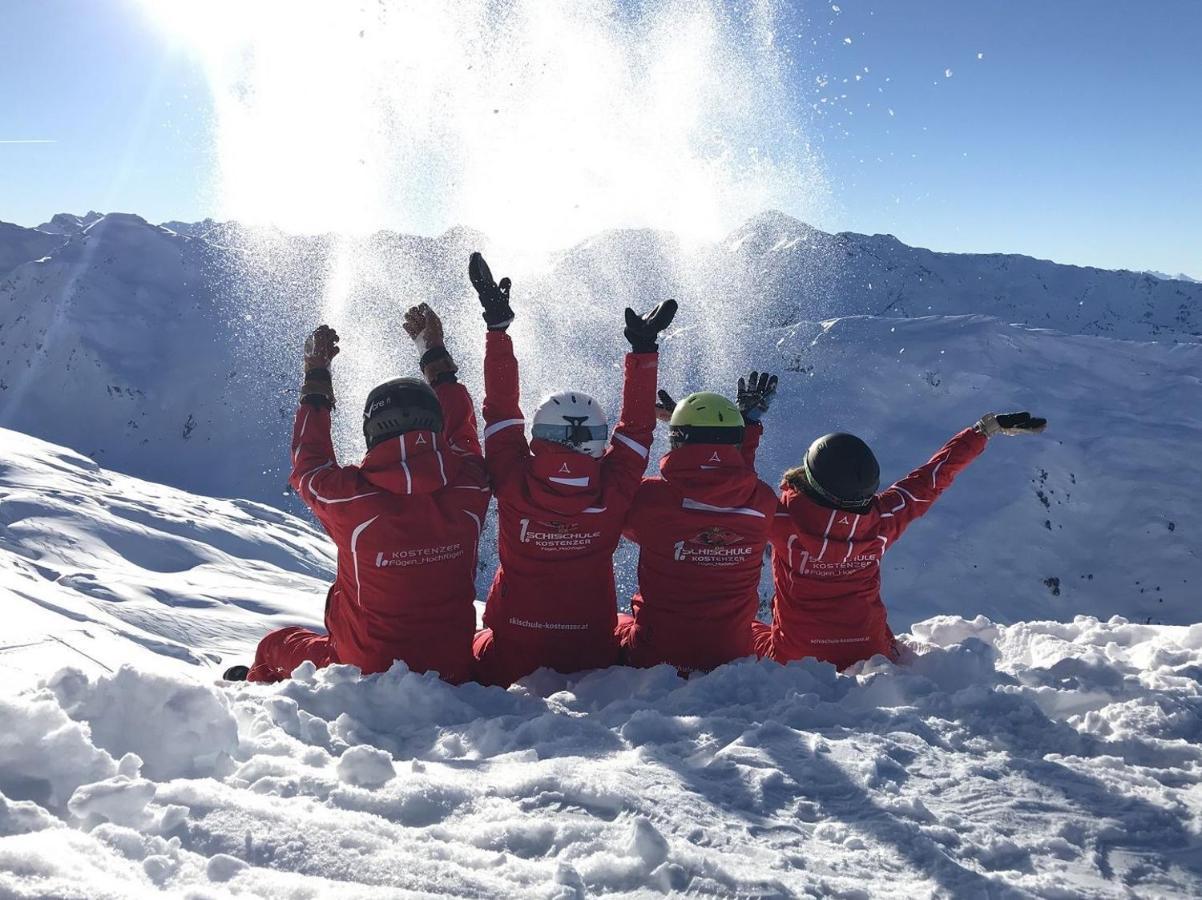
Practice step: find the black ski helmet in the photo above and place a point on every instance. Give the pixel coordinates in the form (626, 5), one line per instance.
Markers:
(841, 470)
(397, 406)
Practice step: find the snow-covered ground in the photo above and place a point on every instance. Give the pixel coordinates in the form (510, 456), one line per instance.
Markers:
(1041, 758)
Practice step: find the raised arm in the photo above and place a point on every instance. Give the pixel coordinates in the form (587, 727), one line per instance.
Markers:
(755, 395)
(315, 472)
(423, 325)
(911, 497)
(626, 459)
(505, 445)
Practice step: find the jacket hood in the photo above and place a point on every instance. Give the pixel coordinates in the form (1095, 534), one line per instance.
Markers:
(715, 474)
(565, 481)
(812, 517)
(417, 462)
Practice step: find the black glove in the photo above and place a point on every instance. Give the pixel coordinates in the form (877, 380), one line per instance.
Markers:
(1010, 424)
(755, 395)
(498, 314)
(664, 406)
(642, 331)
(320, 349)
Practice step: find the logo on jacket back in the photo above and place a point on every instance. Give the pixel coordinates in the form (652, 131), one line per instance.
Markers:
(555, 535)
(714, 546)
(417, 556)
(716, 536)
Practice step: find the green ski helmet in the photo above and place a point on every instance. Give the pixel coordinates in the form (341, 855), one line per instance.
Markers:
(705, 418)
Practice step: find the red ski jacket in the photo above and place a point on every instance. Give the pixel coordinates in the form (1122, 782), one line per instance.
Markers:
(701, 529)
(826, 562)
(407, 525)
(560, 519)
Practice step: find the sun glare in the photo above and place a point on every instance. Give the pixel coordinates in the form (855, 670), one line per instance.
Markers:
(542, 122)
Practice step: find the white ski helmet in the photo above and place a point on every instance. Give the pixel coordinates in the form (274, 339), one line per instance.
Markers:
(573, 419)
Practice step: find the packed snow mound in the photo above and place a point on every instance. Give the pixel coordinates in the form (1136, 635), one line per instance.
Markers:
(1029, 760)
(98, 569)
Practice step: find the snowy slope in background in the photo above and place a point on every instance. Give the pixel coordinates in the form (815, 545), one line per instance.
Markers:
(1091, 517)
(99, 569)
(171, 353)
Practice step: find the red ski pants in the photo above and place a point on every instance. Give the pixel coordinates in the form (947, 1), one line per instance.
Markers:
(840, 655)
(503, 659)
(282, 651)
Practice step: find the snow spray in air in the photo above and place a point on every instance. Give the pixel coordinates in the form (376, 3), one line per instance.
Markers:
(585, 147)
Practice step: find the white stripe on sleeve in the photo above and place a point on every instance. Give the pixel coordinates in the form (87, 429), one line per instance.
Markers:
(638, 448)
(499, 426)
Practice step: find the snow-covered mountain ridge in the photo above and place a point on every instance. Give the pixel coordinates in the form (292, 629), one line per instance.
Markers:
(1036, 759)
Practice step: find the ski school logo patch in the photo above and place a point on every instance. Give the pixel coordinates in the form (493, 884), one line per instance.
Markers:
(715, 547)
(716, 536)
(564, 470)
(555, 535)
(716, 457)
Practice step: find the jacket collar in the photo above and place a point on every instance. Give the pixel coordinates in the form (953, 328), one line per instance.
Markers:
(811, 517)
(565, 481)
(712, 473)
(418, 462)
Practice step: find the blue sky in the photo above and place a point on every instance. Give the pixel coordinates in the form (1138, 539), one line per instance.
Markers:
(1075, 136)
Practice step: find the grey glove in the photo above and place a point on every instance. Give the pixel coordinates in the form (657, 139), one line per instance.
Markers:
(1010, 424)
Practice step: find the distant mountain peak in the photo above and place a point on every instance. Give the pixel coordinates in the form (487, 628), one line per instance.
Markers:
(69, 223)
(110, 219)
(771, 230)
(1180, 276)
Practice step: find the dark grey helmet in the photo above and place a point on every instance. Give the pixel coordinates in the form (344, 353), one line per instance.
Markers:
(841, 471)
(397, 406)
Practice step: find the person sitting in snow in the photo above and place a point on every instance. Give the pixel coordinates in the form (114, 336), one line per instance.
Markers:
(406, 520)
(562, 498)
(828, 540)
(702, 528)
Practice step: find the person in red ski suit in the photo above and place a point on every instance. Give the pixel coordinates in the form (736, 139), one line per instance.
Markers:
(406, 521)
(833, 529)
(562, 498)
(702, 528)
